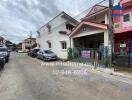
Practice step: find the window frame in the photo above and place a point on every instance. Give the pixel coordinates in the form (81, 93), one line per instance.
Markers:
(49, 28)
(49, 45)
(68, 27)
(130, 16)
(63, 45)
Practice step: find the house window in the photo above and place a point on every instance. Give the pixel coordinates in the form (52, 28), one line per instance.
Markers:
(62, 32)
(63, 45)
(126, 17)
(49, 44)
(69, 27)
(117, 26)
(49, 28)
(38, 34)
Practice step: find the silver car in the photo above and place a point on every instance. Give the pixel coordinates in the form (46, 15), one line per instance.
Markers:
(46, 55)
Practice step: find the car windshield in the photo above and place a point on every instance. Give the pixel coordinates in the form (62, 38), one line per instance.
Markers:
(36, 50)
(48, 51)
(3, 49)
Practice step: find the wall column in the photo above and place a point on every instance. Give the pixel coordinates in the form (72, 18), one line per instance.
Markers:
(71, 43)
(106, 19)
(106, 38)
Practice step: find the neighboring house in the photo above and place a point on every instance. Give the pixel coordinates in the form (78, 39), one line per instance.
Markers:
(54, 34)
(123, 29)
(28, 44)
(2, 42)
(92, 32)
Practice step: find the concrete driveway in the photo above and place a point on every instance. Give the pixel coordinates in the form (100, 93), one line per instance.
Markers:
(24, 78)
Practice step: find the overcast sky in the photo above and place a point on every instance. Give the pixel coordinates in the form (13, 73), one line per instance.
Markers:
(19, 17)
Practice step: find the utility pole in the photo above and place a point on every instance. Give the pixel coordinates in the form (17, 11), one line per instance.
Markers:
(30, 38)
(111, 33)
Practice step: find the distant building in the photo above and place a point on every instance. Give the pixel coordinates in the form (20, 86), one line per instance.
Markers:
(2, 42)
(28, 44)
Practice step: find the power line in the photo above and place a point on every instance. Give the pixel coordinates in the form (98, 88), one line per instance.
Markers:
(81, 13)
(94, 5)
(85, 11)
(89, 8)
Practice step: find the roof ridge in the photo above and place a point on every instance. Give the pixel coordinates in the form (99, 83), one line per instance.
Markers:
(63, 12)
(103, 7)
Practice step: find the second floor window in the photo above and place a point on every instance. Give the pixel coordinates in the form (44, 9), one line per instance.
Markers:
(69, 27)
(126, 17)
(49, 28)
(38, 33)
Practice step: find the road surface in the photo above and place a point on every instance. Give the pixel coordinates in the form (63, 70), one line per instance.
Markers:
(24, 78)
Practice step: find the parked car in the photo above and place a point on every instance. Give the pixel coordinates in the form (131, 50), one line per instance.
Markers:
(19, 51)
(33, 52)
(2, 61)
(46, 55)
(5, 52)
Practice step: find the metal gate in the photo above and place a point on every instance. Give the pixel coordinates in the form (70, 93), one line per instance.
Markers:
(94, 56)
(124, 57)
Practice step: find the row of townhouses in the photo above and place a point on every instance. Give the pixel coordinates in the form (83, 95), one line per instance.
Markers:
(63, 31)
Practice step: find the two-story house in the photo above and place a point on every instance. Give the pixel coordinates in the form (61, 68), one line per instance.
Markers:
(123, 28)
(54, 35)
(92, 31)
(2, 42)
(28, 44)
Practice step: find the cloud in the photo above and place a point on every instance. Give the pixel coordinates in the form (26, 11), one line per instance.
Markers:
(19, 17)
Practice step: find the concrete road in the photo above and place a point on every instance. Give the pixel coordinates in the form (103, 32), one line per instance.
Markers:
(24, 78)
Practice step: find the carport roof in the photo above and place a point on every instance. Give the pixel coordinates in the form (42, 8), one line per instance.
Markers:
(88, 23)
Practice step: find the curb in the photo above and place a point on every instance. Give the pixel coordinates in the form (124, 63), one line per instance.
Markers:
(112, 72)
(122, 75)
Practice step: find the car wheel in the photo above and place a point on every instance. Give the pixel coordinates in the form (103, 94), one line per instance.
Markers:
(44, 59)
(7, 60)
(37, 57)
(2, 66)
